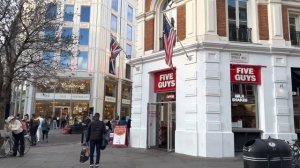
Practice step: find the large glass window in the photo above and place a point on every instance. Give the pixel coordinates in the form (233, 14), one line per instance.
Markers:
(49, 33)
(244, 106)
(67, 33)
(294, 34)
(51, 11)
(128, 51)
(114, 4)
(69, 13)
(129, 32)
(130, 13)
(238, 21)
(82, 60)
(85, 14)
(65, 59)
(84, 37)
(48, 57)
(114, 23)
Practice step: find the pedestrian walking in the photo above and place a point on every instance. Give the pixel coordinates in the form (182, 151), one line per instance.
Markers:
(85, 125)
(54, 122)
(96, 130)
(17, 132)
(39, 131)
(46, 128)
(33, 127)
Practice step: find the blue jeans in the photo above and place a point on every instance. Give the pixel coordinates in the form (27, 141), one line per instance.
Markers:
(95, 144)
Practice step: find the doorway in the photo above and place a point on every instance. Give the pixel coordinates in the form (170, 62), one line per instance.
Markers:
(60, 111)
(161, 125)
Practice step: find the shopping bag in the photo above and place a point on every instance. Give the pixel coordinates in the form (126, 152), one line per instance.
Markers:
(87, 151)
(104, 142)
(83, 155)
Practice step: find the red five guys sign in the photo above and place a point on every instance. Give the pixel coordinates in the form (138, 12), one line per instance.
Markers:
(247, 74)
(165, 81)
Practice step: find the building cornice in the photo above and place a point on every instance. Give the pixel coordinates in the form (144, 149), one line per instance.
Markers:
(219, 46)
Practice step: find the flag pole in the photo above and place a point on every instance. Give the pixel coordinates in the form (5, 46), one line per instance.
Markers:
(188, 57)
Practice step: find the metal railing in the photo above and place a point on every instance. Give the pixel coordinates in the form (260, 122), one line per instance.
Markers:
(240, 34)
(295, 38)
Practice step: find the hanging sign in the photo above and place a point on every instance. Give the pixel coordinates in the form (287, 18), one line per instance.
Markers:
(165, 81)
(246, 74)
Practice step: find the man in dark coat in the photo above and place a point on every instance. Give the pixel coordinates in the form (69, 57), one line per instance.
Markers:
(96, 130)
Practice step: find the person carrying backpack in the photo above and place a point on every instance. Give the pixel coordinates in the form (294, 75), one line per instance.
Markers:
(46, 128)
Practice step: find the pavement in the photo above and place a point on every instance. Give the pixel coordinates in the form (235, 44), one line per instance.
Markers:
(62, 151)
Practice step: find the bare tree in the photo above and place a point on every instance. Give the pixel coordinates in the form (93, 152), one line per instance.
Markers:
(31, 40)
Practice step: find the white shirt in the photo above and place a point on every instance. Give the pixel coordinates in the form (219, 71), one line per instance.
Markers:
(41, 120)
(15, 126)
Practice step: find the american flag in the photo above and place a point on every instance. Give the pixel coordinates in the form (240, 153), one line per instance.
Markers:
(169, 39)
(115, 49)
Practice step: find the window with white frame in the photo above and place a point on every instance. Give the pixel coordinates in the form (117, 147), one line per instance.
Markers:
(129, 32)
(130, 14)
(82, 61)
(128, 50)
(170, 11)
(114, 23)
(238, 21)
(294, 29)
(114, 4)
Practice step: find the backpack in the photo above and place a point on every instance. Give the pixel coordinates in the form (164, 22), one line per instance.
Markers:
(24, 125)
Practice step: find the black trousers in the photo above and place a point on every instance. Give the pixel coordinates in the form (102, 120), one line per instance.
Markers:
(33, 136)
(18, 140)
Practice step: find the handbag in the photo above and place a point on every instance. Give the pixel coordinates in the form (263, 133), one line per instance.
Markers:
(84, 154)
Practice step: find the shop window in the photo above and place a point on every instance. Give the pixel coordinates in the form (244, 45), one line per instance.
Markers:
(85, 14)
(130, 13)
(82, 61)
(110, 112)
(238, 21)
(84, 36)
(294, 30)
(244, 106)
(296, 97)
(110, 89)
(126, 92)
(114, 23)
(69, 13)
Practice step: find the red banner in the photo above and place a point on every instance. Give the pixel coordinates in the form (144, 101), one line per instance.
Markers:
(247, 74)
(165, 81)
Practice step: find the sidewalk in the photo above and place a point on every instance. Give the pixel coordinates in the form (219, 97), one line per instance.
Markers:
(64, 153)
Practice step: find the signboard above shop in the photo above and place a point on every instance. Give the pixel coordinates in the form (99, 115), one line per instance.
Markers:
(246, 74)
(239, 57)
(165, 81)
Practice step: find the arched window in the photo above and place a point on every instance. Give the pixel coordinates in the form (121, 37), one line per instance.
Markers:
(168, 8)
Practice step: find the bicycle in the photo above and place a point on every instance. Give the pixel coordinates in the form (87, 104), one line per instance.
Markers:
(8, 144)
(295, 149)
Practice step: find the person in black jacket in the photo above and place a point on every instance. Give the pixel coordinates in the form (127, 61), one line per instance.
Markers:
(96, 130)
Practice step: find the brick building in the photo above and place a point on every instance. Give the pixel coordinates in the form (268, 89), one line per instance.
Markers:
(241, 80)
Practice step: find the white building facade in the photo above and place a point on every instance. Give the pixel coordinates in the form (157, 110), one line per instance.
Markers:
(241, 80)
(89, 86)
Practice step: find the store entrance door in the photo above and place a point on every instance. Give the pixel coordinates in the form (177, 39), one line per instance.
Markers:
(161, 125)
(60, 111)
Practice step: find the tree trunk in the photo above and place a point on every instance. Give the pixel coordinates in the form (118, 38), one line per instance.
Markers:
(4, 102)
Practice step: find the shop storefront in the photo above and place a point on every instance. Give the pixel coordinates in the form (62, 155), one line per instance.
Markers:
(244, 103)
(126, 99)
(161, 124)
(110, 100)
(63, 97)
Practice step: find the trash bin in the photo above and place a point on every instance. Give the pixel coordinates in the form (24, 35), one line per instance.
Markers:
(267, 153)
